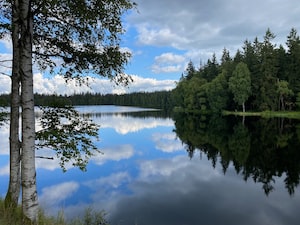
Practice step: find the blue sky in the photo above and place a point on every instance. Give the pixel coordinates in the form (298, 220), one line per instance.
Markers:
(165, 34)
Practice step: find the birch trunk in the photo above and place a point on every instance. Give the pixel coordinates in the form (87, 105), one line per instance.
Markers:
(28, 172)
(13, 193)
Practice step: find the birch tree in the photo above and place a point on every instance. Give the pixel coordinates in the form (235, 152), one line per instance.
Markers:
(72, 38)
(240, 84)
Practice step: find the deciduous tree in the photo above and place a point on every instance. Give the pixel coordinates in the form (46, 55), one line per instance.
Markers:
(240, 84)
(73, 38)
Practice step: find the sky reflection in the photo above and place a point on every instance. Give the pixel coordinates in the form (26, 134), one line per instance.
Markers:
(145, 176)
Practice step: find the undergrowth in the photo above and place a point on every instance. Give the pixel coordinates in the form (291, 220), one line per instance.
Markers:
(14, 217)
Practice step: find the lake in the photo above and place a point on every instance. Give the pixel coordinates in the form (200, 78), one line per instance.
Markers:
(179, 170)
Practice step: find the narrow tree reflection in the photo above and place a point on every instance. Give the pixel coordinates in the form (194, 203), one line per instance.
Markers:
(260, 149)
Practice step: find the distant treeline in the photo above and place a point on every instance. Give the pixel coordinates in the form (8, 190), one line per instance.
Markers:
(159, 99)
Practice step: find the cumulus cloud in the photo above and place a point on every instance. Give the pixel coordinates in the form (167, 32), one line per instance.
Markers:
(208, 26)
(115, 153)
(199, 24)
(57, 85)
(167, 142)
(54, 195)
(169, 167)
(4, 170)
(4, 137)
(112, 181)
(168, 63)
(124, 125)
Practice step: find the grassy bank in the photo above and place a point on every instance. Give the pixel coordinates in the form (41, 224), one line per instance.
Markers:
(14, 217)
(266, 114)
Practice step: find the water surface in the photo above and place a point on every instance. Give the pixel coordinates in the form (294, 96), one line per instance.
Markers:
(181, 170)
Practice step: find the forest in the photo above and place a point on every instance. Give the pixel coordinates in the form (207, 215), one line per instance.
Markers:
(158, 99)
(260, 77)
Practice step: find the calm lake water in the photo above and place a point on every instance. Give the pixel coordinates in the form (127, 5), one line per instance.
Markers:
(158, 170)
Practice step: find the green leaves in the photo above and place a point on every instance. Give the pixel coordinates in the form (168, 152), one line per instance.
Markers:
(75, 38)
(240, 83)
(69, 134)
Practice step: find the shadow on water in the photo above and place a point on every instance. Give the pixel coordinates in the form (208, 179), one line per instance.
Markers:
(260, 149)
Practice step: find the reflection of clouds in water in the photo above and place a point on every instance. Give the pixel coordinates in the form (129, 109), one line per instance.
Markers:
(169, 167)
(180, 190)
(124, 125)
(106, 189)
(115, 153)
(102, 192)
(4, 139)
(52, 197)
(49, 164)
(184, 191)
(112, 181)
(167, 142)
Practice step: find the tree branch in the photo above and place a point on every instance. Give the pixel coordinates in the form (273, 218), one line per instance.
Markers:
(6, 60)
(8, 67)
(43, 157)
(5, 74)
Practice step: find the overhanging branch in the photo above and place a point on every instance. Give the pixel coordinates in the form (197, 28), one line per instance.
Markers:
(5, 74)
(43, 157)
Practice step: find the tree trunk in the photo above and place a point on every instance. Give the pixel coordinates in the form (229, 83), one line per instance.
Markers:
(12, 196)
(244, 109)
(28, 172)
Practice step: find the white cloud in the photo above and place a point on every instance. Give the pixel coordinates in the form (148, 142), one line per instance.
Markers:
(4, 170)
(4, 139)
(160, 37)
(5, 71)
(56, 194)
(167, 142)
(112, 181)
(168, 63)
(57, 85)
(49, 160)
(210, 25)
(5, 84)
(124, 125)
(115, 153)
(170, 167)
(169, 57)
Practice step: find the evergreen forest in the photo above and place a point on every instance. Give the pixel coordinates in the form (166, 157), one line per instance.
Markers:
(157, 100)
(260, 77)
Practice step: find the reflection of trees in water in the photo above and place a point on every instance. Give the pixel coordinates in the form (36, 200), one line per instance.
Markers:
(262, 149)
(139, 114)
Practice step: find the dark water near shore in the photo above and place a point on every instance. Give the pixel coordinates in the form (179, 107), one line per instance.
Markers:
(180, 170)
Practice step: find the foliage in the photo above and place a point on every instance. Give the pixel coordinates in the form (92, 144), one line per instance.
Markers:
(217, 93)
(159, 99)
(240, 84)
(284, 93)
(14, 217)
(3, 117)
(74, 38)
(69, 134)
(261, 76)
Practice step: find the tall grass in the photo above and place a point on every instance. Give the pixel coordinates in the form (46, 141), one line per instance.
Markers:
(14, 217)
